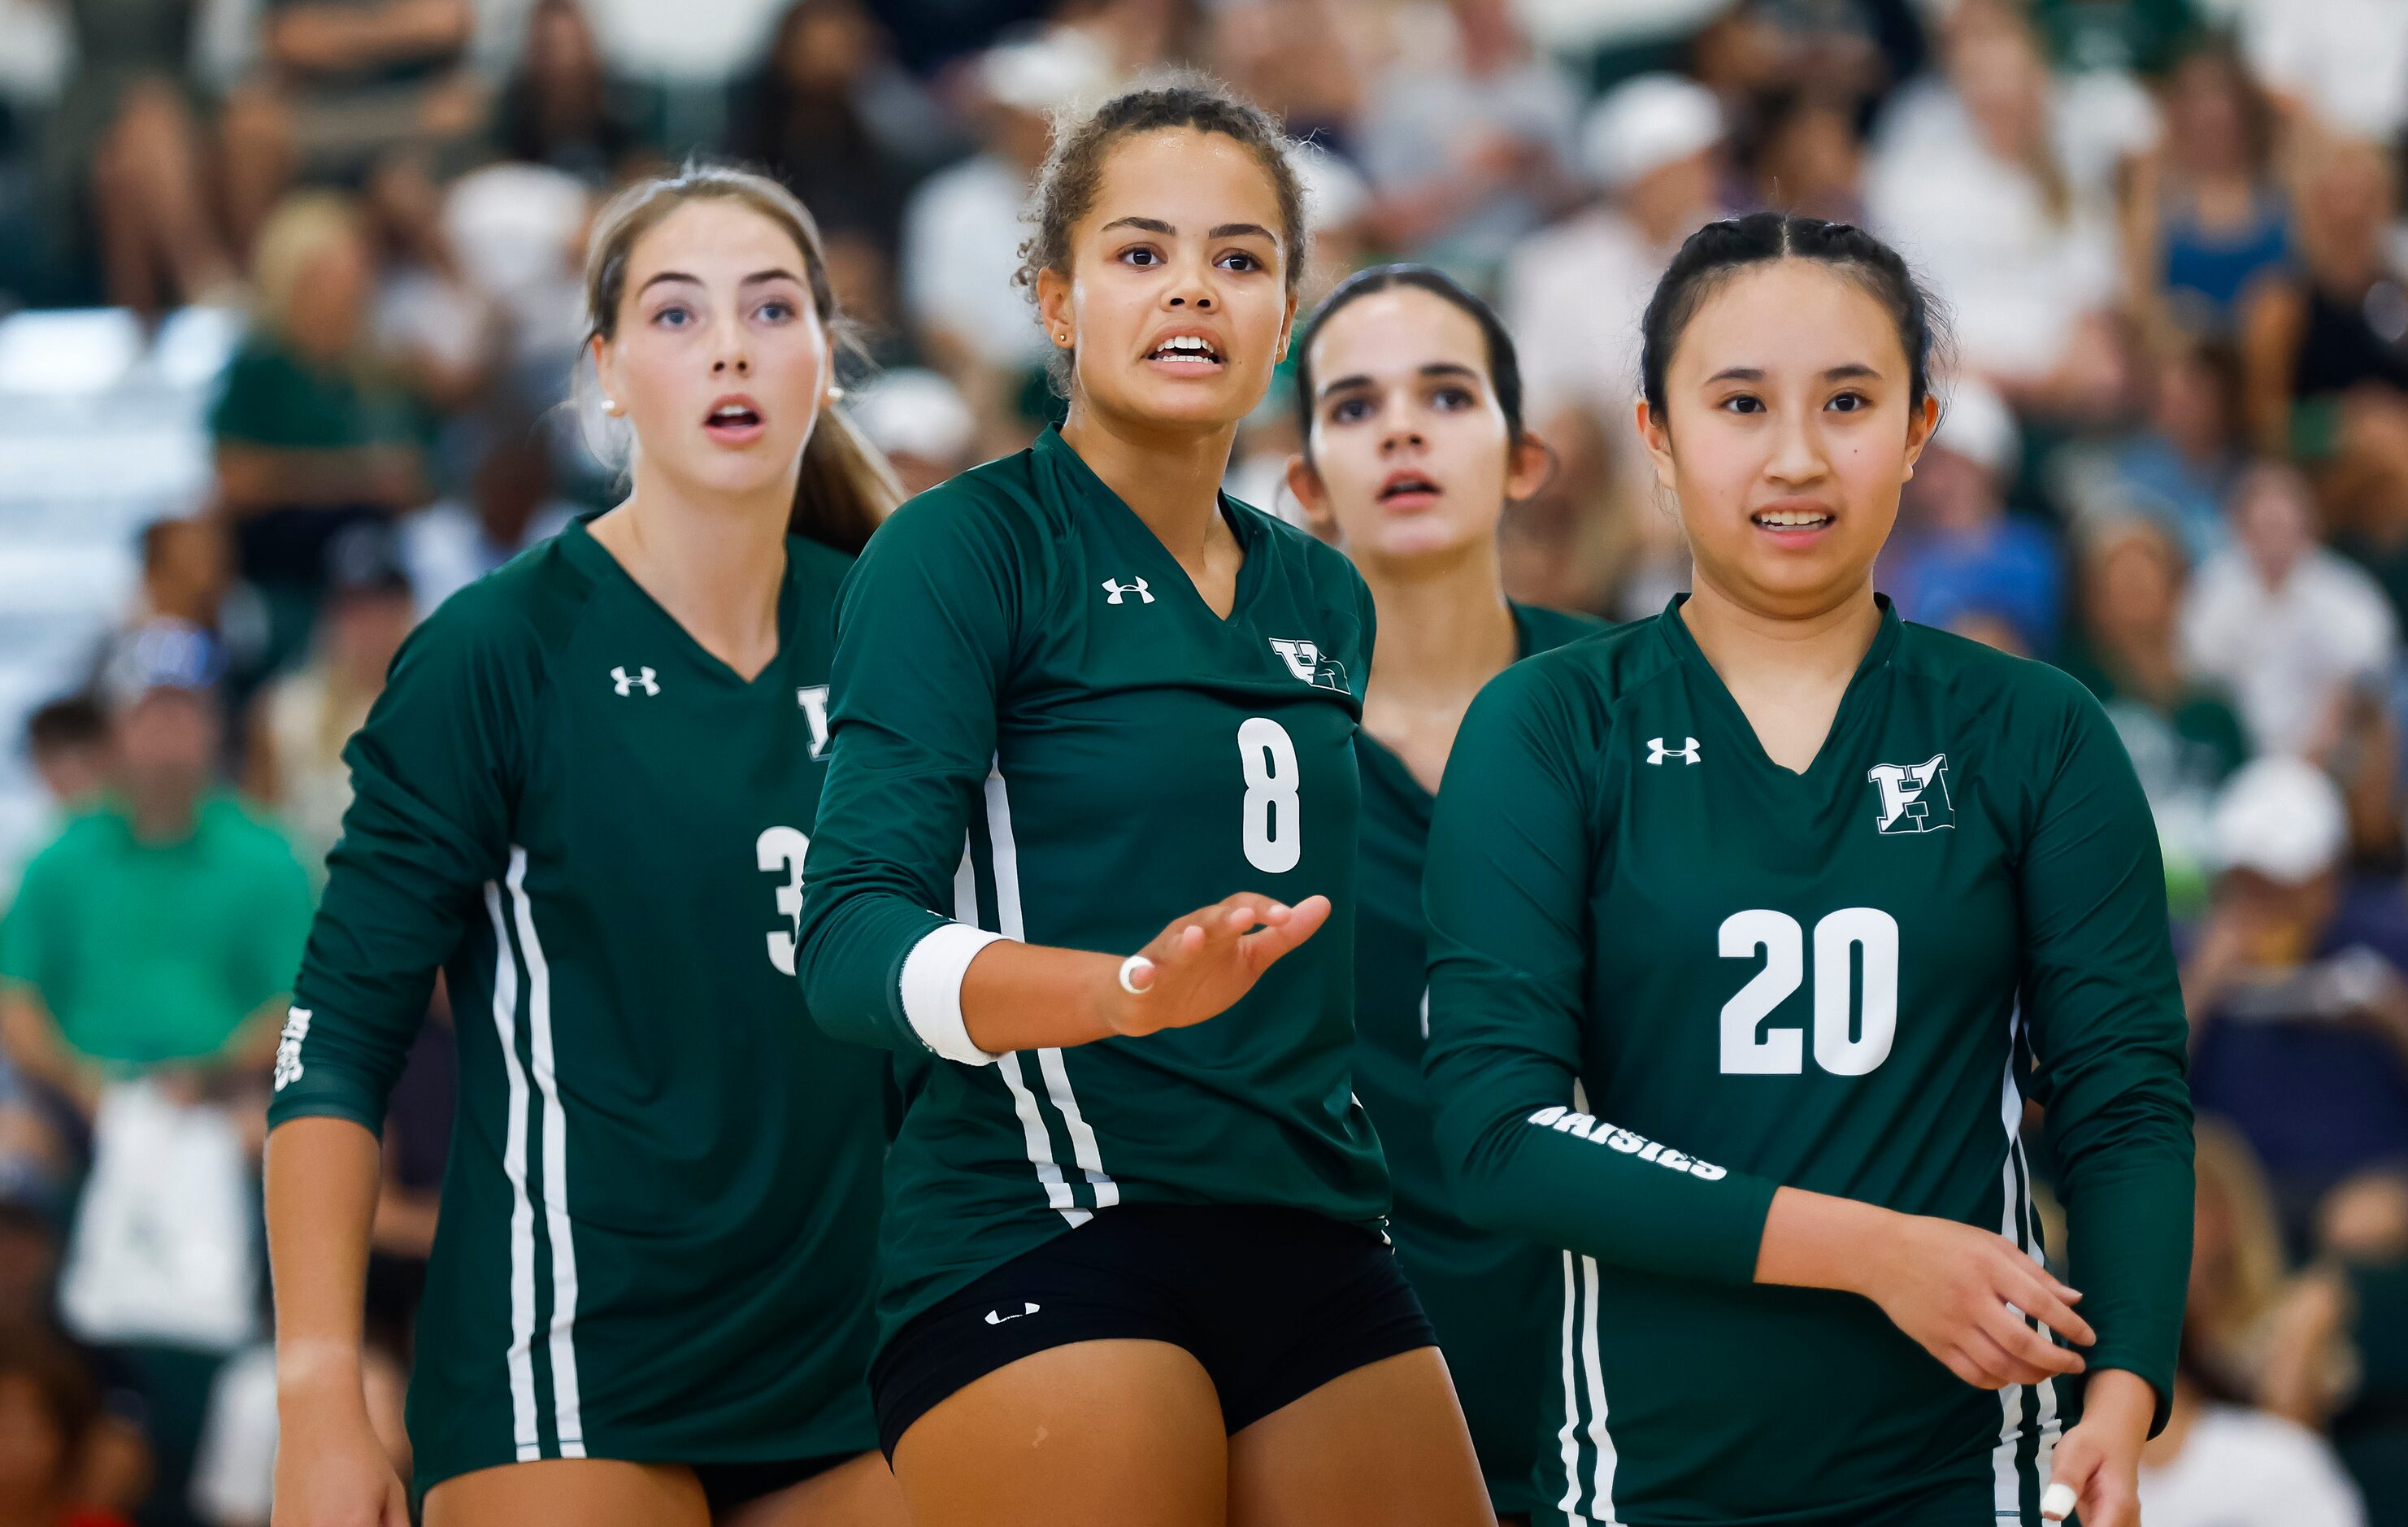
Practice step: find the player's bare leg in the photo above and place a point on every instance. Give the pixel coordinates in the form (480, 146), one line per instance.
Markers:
(570, 1492)
(1098, 1433)
(1385, 1443)
(859, 1493)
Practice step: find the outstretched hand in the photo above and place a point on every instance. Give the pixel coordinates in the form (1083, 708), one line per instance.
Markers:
(1198, 966)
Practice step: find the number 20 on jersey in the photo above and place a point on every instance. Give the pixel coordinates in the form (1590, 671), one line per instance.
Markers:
(1849, 1040)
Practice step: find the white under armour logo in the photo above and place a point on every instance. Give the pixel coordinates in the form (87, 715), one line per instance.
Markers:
(1115, 587)
(627, 684)
(997, 1317)
(1657, 752)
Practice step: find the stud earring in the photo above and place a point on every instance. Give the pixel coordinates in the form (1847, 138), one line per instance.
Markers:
(611, 406)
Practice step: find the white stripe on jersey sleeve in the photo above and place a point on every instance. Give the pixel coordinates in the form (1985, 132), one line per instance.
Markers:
(931, 984)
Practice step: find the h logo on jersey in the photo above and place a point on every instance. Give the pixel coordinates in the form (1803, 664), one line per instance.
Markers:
(1305, 660)
(1115, 587)
(1687, 751)
(288, 1046)
(1913, 796)
(813, 700)
(644, 679)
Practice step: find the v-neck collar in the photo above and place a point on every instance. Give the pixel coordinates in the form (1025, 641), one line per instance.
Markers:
(1053, 447)
(1385, 760)
(577, 537)
(1852, 700)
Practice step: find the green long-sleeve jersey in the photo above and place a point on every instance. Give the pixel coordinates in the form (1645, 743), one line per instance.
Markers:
(1491, 1296)
(659, 1219)
(1041, 731)
(1668, 976)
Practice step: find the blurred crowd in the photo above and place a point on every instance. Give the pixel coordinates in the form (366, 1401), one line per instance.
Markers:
(2174, 461)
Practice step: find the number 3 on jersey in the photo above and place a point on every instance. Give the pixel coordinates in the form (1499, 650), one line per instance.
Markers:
(776, 849)
(1841, 1046)
(1274, 837)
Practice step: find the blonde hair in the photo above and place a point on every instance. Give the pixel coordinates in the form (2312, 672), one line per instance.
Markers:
(301, 229)
(2254, 1277)
(845, 488)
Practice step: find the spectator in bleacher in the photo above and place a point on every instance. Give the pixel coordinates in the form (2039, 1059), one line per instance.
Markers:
(1296, 59)
(919, 424)
(2289, 627)
(962, 232)
(437, 330)
(2184, 736)
(2342, 63)
(511, 503)
(2180, 466)
(1802, 154)
(1958, 556)
(1573, 295)
(2325, 362)
(122, 157)
(188, 580)
(1998, 181)
(184, 572)
(831, 114)
(563, 107)
(158, 933)
(67, 741)
(50, 1411)
(294, 765)
(1468, 137)
(344, 83)
(1575, 292)
(2299, 1027)
(2256, 1330)
(313, 431)
(2226, 1459)
(2207, 219)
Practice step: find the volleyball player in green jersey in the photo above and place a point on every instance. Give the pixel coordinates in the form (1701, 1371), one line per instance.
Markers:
(1132, 1269)
(1409, 401)
(1749, 925)
(585, 796)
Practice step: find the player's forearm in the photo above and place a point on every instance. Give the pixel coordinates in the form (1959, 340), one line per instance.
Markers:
(1819, 1241)
(1034, 996)
(1562, 1178)
(322, 1181)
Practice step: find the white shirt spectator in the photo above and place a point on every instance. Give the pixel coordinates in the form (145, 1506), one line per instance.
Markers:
(2347, 60)
(962, 233)
(2287, 652)
(2017, 278)
(1430, 116)
(1574, 295)
(446, 547)
(2241, 1468)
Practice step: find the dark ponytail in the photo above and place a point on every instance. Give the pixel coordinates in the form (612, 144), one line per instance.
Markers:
(1719, 251)
(1504, 365)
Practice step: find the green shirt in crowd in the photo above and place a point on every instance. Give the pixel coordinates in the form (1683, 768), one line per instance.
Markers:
(153, 952)
(269, 397)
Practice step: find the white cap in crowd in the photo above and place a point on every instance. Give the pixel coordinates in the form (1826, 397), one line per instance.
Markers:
(2281, 818)
(1977, 424)
(1643, 124)
(913, 413)
(1053, 70)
